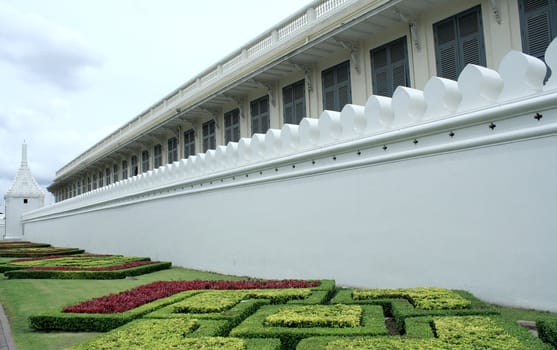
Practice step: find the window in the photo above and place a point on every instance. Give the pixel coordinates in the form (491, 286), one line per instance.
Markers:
(389, 67)
(260, 115)
(144, 161)
(158, 156)
(25, 201)
(107, 173)
(84, 185)
(101, 179)
(135, 169)
(79, 187)
(94, 181)
(459, 40)
(294, 102)
(189, 143)
(538, 26)
(89, 183)
(115, 173)
(232, 126)
(336, 87)
(172, 150)
(209, 137)
(124, 169)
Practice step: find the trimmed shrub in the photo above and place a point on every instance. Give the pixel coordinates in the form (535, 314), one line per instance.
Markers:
(84, 274)
(430, 298)
(88, 322)
(255, 326)
(548, 331)
(38, 252)
(129, 299)
(336, 316)
(463, 333)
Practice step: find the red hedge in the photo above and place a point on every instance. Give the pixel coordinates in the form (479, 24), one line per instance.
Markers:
(147, 293)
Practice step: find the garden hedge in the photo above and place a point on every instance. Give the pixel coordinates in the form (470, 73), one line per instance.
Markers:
(114, 274)
(372, 323)
(88, 322)
(23, 253)
(454, 332)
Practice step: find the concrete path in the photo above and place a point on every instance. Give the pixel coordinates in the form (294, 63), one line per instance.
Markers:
(6, 340)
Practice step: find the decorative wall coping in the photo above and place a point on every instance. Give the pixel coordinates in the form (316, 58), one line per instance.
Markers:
(484, 107)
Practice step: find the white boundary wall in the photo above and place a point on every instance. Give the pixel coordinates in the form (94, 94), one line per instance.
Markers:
(454, 187)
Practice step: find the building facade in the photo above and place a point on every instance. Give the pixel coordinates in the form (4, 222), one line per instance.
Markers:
(332, 53)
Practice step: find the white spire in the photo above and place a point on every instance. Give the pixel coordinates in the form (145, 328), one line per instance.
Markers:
(24, 155)
(24, 184)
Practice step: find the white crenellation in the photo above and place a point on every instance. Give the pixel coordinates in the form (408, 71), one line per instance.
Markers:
(442, 97)
(479, 86)
(520, 76)
(273, 143)
(408, 105)
(309, 133)
(330, 127)
(354, 122)
(290, 138)
(379, 113)
(551, 61)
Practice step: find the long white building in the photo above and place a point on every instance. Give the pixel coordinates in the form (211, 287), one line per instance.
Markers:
(332, 53)
(382, 144)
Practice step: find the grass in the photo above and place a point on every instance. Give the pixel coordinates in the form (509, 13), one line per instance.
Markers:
(25, 297)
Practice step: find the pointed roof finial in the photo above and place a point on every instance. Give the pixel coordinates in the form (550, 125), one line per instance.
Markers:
(24, 154)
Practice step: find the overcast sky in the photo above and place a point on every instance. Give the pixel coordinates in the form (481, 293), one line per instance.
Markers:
(73, 71)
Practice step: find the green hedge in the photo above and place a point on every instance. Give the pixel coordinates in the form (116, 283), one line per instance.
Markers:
(454, 332)
(97, 275)
(155, 334)
(38, 254)
(401, 309)
(82, 322)
(548, 331)
(254, 327)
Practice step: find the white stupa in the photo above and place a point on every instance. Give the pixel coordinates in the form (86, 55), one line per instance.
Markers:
(24, 195)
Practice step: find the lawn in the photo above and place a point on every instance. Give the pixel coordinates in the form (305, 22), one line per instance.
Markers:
(22, 298)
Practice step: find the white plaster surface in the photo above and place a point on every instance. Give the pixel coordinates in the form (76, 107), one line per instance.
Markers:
(454, 187)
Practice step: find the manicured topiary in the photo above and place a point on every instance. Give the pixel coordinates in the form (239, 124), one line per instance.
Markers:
(548, 331)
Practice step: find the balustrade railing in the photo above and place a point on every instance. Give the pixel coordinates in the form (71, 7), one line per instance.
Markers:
(260, 46)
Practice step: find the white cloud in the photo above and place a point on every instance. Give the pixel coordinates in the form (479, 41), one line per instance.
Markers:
(43, 51)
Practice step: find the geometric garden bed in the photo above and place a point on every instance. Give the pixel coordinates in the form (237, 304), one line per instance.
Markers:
(80, 266)
(289, 315)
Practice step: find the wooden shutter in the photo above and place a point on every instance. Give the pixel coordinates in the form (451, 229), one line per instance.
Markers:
(336, 87)
(459, 41)
(389, 67)
(538, 25)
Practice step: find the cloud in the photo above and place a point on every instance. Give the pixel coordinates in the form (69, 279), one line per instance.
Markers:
(43, 51)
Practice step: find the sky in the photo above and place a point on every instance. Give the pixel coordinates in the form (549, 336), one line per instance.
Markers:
(71, 72)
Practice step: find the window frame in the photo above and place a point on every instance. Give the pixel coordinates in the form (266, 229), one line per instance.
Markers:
(145, 161)
(336, 87)
(260, 121)
(209, 136)
(290, 92)
(172, 150)
(459, 43)
(389, 67)
(189, 143)
(232, 126)
(157, 156)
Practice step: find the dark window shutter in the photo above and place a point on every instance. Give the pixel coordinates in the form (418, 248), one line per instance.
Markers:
(538, 22)
(459, 41)
(390, 67)
(336, 87)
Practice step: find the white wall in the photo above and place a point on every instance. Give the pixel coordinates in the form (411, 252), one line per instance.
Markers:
(454, 187)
